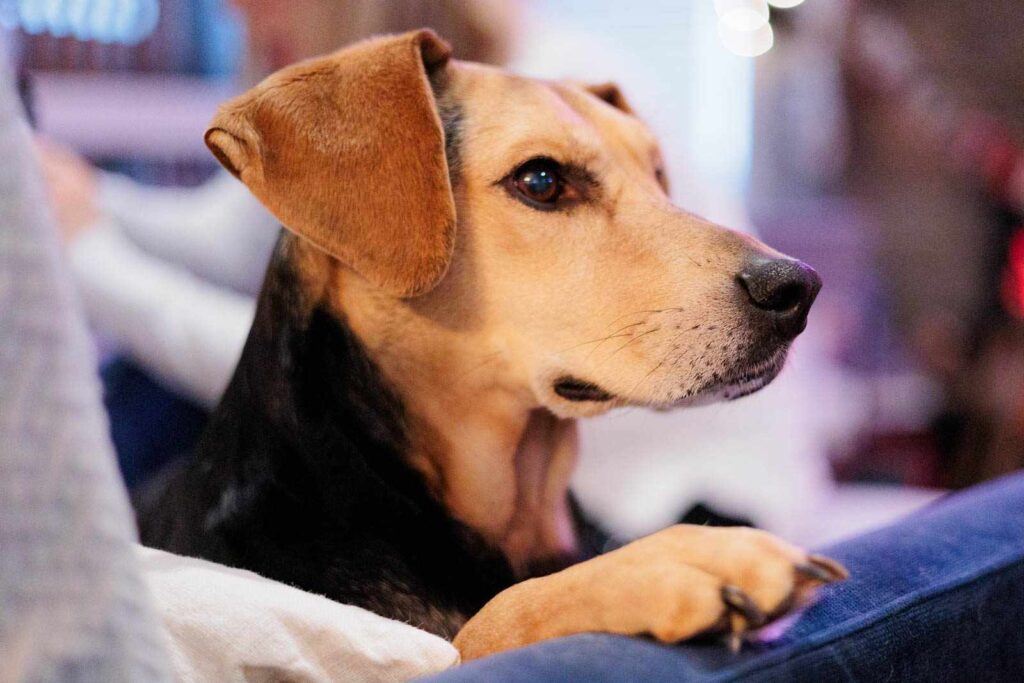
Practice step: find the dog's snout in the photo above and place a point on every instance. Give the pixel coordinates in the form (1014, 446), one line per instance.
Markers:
(782, 287)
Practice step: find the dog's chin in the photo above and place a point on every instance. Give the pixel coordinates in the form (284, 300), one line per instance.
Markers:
(748, 378)
(726, 391)
(577, 397)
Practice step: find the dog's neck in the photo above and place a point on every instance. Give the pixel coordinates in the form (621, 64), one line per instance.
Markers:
(497, 462)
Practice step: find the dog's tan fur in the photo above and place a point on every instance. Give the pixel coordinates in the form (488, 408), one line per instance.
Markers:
(472, 321)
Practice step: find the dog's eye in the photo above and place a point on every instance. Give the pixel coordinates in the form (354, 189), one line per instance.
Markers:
(539, 181)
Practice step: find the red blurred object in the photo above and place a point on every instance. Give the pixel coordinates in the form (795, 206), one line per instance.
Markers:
(988, 146)
(991, 148)
(903, 458)
(1013, 276)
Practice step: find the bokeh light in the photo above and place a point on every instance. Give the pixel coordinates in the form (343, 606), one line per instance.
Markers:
(746, 43)
(105, 21)
(742, 15)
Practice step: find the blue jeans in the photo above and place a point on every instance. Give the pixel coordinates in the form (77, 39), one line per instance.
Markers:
(936, 597)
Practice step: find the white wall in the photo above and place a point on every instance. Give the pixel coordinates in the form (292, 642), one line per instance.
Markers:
(667, 55)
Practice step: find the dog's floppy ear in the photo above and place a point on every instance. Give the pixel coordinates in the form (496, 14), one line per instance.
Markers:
(347, 151)
(610, 93)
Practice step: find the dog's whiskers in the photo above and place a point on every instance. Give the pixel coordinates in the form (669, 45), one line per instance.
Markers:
(634, 339)
(664, 359)
(652, 371)
(621, 332)
(617, 333)
(652, 311)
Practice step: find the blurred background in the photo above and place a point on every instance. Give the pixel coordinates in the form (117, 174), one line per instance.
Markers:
(882, 141)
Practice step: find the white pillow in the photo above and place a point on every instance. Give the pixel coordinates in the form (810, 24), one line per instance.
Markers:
(228, 625)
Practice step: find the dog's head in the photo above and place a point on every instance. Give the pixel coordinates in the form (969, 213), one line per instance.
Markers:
(508, 229)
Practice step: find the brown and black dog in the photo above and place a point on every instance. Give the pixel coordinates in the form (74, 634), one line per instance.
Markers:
(472, 261)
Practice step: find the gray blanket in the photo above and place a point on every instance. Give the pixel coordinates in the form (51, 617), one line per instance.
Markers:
(72, 604)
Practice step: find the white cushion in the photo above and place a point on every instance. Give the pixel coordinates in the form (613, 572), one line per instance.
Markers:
(227, 625)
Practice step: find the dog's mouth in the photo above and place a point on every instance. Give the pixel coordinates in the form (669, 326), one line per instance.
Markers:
(578, 390)
(750, 378)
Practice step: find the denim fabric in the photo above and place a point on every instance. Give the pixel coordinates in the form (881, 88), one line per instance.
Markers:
(936, 597)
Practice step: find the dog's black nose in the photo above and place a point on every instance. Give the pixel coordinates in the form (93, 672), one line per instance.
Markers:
(782, 287)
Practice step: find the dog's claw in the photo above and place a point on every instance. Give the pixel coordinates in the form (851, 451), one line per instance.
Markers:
(741, 603)
(735, 642)
(840, 572)
(745, 616)
(824, 569)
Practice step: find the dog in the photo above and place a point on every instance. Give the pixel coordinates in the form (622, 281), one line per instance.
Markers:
(472, 261)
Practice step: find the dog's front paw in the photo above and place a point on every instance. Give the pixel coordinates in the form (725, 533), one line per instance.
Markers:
(679, 583)
(730, 580)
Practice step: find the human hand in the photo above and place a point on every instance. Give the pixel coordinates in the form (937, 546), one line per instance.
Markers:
(72, 186)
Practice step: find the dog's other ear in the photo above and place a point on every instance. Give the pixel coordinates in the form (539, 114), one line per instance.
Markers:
(347, 151)
(610, 93)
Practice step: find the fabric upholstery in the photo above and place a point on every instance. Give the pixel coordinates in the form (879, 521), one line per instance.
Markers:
(936, 597)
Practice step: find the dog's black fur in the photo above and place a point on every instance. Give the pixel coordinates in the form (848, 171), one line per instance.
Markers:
(301, 477)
